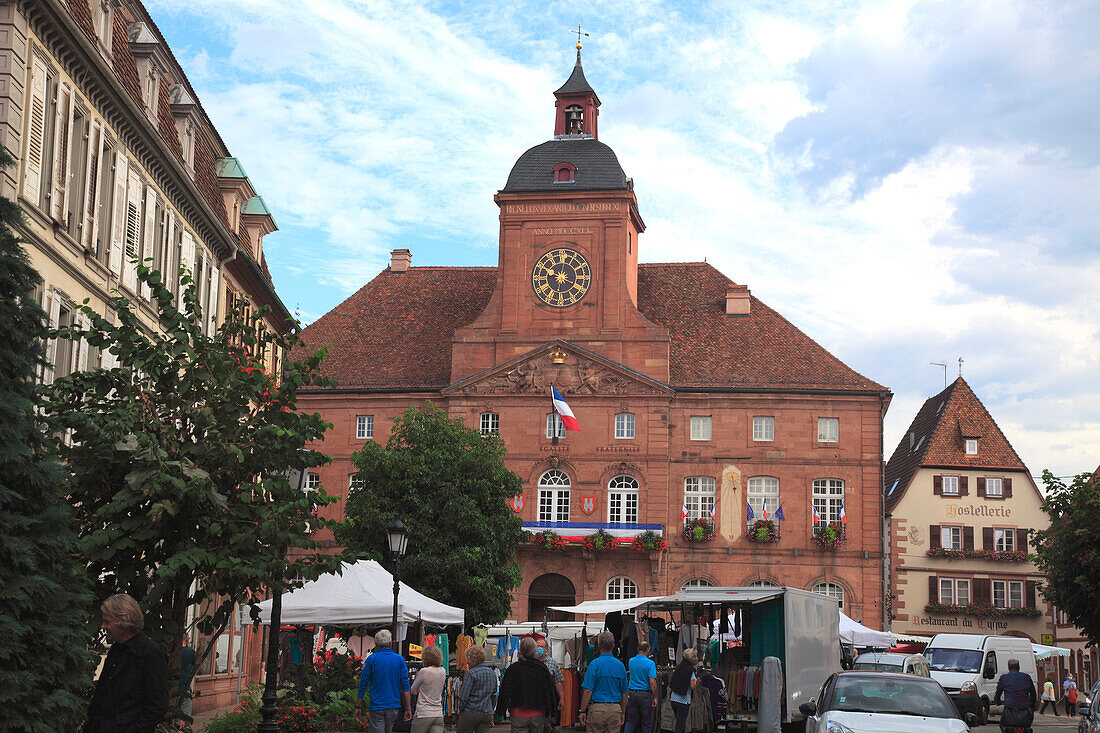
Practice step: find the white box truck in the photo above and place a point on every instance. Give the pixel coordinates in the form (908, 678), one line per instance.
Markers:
(969, 665)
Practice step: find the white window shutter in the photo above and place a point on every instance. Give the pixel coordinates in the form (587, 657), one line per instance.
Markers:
(36, 133)
(118, 215)
(171, 253)
(132, 235)
(212, 298)
(187, 259)
(92, 186)
(62, 148)
(82, 353)
(147, 236)
(54, 309)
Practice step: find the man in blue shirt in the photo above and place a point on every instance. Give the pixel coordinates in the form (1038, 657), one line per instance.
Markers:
(641, 691)
(387, 676)
(1019, 695)
(603, 703)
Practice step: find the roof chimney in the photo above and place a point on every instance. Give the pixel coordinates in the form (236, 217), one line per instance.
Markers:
(737, 300)
(400, 260)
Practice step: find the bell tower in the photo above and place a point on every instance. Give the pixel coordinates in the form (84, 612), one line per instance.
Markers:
(568, 252)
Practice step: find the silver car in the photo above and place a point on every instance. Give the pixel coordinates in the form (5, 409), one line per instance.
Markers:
(1088, 707)
(882, 702)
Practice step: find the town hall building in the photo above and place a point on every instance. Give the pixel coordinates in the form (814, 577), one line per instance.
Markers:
(694, 397)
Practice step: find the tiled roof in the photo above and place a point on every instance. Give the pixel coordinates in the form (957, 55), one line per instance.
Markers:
(83, 16)
(938, 432)
(207, 181)
(125, 68)
(167, 123)
(576, 83)
(396, 332)
(597, 167)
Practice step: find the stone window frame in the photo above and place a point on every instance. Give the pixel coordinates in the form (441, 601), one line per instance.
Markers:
(620, 588)
(620, 489)
(763, 428)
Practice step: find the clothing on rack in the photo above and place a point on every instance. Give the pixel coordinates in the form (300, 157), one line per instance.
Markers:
(462, 645)
(480, 635)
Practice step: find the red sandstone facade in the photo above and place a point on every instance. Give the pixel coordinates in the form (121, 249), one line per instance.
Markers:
(725, 398)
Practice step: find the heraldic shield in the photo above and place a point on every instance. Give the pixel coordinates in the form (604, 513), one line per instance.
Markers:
(588, 504)
(517, 502)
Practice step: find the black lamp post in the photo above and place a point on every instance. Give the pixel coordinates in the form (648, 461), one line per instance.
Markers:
(297, 480)
(398, 537)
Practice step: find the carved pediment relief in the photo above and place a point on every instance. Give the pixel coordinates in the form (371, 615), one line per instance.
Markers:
(572, 372)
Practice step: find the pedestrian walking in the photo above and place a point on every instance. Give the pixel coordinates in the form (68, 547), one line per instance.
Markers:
(428, 688)
(641, 691)
(679, 689)
(526, 691)
(132, 691)
(556, 676)
(477, 694)
(1069, 694)
(386, 675)
(1048, 698)
(1018, 691)
(603, 703)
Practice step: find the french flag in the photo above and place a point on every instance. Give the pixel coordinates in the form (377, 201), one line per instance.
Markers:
(843, 515)
(713, 513)
(817, 517)
(764, 507)
(560, 407)
(684, 513)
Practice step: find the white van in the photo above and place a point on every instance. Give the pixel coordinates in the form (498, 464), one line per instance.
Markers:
(915, 664)
(969, 665)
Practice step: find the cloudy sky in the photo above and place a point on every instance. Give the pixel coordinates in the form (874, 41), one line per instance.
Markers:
(908, 182)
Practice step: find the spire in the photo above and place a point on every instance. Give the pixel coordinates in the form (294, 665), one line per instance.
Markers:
(577, 104)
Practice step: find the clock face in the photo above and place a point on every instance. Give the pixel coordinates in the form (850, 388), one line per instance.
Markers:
(561, 277)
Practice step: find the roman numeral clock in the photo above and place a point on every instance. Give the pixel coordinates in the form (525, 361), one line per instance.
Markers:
(561, 277)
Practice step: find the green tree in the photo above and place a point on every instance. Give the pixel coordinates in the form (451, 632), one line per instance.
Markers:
(448, 483)
(45, 601)
(179, 459)
(1068, 551)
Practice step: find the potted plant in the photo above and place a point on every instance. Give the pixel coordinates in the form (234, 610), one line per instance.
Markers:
(548, 540)
(698, 530)
(649, 541)
(598, 540)
(763, 530)
(829, 535)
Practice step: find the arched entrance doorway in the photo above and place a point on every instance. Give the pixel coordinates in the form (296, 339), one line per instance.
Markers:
(550, 589)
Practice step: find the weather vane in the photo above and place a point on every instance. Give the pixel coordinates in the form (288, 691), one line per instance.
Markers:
(579, 33)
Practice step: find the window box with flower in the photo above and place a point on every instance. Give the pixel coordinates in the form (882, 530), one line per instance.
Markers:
(983, 610)
(598, 541)
(994, 555)
(829, 535)
(649, 541)
(699, 530)
(763, 530)
(547, 540)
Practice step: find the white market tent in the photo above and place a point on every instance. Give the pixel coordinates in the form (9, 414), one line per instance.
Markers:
(361, 595)
(1042, 651)
(857, 634)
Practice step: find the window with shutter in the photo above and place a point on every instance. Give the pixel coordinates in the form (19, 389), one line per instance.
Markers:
(964, 486)
(118, 214)
(36, 133)
(1021, 540)
(981, 588)
(147, 242)
(53, 307)
(968, 538)
(933, 589)
(981, 487)
(937, 485)
(934, 536)
(987, 538)
(132, 232)
(187, 260)
(212, 299)
(63, 138)
(1006, 485)
(89, 235)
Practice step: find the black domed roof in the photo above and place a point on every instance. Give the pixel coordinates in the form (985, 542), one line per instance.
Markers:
(596, 164)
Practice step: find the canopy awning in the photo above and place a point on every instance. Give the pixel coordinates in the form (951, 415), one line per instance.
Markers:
(852, 632)
(361, 595)
(623, 604)
(674, 601)
(1042, 651)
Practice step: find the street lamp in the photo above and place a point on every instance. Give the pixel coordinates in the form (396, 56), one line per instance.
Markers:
(297, 480)
(398, 537)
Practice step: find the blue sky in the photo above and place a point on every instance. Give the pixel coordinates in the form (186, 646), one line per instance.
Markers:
(908, 182)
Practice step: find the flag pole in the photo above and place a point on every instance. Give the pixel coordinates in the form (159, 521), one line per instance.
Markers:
(554, 423)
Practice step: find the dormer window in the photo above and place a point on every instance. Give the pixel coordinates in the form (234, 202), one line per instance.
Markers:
(563, 172)
(103, 20)
(971, 446)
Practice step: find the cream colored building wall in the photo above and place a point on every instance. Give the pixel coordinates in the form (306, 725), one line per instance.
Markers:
(73, 270)
(910, 525)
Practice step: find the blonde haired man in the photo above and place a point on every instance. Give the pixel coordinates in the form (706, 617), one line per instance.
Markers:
(132, 691)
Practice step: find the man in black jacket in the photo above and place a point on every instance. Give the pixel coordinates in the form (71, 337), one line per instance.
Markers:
(131, 695)
(527, 691)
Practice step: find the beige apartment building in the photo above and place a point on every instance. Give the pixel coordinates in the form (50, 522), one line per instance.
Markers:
(118, 161)
(960, 504)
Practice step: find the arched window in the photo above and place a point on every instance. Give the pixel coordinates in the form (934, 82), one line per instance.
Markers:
(697, 583)
(622, 500)
(830, 589)
(699, 496)
(762, 584)
(763, 493)
(828, 500)
(621, 588)
(554, 496)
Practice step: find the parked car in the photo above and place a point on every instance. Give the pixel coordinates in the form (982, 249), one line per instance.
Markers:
(969, 665)
(893, 662)
(877, 702)
(1089, 712)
